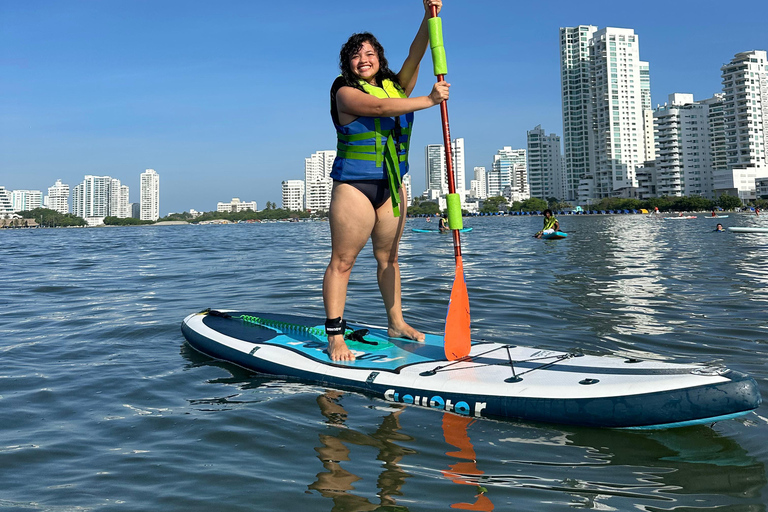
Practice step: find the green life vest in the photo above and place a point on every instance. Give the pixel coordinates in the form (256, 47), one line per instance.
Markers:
(375, 147)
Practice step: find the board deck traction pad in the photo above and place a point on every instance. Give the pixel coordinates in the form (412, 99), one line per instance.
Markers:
(404, 360)
(288, 328)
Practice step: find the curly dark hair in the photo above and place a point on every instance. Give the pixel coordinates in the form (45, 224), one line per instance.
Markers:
(351, 47)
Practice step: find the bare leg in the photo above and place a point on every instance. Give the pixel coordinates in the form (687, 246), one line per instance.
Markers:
(351, 219)
(386, 239)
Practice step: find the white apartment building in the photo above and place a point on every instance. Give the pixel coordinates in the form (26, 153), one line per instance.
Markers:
(545, 168)
(6, 207)
(119, 201)
(478, 187)
(149, 197)
(617, 110)
(26, 200)
(716, 121)
(58, 197)
(745, 111)
(683, 148)
(408, 188)
(576, 93)
(508, 173)
(91, 198)
(605, 91)
(318, 183)
(435, 166)
(236, 205)
(293, 195)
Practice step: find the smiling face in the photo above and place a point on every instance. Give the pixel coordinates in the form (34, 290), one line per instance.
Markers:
(365, 63)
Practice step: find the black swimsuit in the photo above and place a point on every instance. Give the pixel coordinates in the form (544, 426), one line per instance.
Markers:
(377, 191)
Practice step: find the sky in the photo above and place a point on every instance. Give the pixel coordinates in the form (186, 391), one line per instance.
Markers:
(226, 99)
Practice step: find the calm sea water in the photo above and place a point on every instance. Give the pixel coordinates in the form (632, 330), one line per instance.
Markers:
(104, 407)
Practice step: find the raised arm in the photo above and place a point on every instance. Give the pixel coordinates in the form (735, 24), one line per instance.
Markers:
(352, 103)
(410, 70)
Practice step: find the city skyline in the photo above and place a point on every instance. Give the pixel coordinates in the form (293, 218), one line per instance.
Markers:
(203, 112)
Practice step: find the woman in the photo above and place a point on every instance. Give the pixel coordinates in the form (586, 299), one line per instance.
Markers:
(550, 224)
(372, 111)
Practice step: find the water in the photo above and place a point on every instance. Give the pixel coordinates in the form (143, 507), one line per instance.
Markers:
(104, 407)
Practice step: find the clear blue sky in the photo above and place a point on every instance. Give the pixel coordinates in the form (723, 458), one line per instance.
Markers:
(226, 99)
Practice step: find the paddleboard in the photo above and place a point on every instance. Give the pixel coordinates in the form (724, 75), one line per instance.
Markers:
(557, 235)
(684, 217)
(496, 380)
(418, 230)
(748, 230)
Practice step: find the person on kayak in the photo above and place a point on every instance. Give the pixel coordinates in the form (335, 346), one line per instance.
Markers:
(550, 224)
(372, 112)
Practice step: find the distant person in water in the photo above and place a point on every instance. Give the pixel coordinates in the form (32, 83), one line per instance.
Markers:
(757, 211)
(443, 224)
(550, 224)
(719, 227)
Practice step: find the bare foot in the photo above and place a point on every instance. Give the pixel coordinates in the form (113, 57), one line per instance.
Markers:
(405, 331)
(338, 350)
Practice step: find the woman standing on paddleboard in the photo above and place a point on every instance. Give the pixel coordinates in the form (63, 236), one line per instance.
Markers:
(372, 111)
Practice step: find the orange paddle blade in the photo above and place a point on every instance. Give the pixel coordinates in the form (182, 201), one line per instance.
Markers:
(457, 338)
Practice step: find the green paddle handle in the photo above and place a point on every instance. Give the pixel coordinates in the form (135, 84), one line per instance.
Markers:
(436, 43)
(455, 221)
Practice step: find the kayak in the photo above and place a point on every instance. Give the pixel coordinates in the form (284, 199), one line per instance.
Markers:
(418, 230)
(718, 217)
(496, 380)
(557, 235)
(684, 217)
(748, 230)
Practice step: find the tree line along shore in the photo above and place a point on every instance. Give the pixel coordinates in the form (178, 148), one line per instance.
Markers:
(44, 217)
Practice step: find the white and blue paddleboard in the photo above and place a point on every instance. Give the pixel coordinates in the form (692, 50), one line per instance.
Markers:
(496, 380)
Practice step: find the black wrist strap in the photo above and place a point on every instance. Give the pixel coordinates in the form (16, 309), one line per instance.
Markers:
(335, 326)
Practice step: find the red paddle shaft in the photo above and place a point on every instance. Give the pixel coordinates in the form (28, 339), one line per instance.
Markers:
(448, 156)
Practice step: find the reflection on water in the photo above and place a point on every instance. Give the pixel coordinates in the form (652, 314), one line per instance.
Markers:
(592, 468)
(336, 482)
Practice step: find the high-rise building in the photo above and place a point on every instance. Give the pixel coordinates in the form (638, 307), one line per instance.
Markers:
(575, 81)
(683, 155)
(408, 189)
(508, 175)
(91, 198)
(318, 183)
(545, 169)
(717, 131)
(6, 207)
(293, 195)
(149, 196)
(436, 168)
(119, 201)
(617, 114)
(745, 111)
(26, 200)
(606, 89)
(58, 197)
(479, 186)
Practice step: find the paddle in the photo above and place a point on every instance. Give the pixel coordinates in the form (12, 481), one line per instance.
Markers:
(457, 337)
